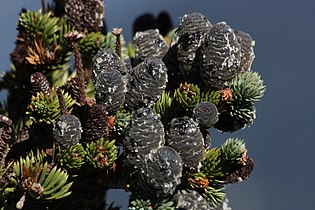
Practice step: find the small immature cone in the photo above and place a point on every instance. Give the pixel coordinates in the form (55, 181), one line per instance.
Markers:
(39, 83)
(74, 10)
(67, 129)
(80, 74)
(229, 123)
(85, 14)
(62, 103)
(93, 15)
(206, 114)
(241, 172)
(96, 125)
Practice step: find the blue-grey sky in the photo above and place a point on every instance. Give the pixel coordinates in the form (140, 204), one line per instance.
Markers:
(282, 139)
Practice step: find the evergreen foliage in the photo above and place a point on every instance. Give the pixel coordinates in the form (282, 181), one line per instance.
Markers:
(131, 116)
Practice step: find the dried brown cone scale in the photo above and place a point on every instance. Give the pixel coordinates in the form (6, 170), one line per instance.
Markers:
(184, 135)
(144, 134)
(39, 83)
(146, 83)
(149, 43)
(190, 34)
(247, 49)
(220, 56)
(241, 172)
(96, 125)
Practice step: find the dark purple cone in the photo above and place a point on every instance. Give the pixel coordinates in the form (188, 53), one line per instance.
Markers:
(174, 75)
(107, 59)
(110, 89)
(67, 130)
(184, 135)
(149, 43)
(146, 84)
(144, 134)
(247, 49)
(206, 114)
(162, 171)
(189, 200)
(220, 56)
(190, 36)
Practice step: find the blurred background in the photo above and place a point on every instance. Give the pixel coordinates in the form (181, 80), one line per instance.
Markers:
(282, 138)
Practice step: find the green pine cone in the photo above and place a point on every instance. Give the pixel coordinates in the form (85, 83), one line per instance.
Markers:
(187, 95)
(232, 149)
(45, 108)
(101, 154)
(247, 86)
(73, 157)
